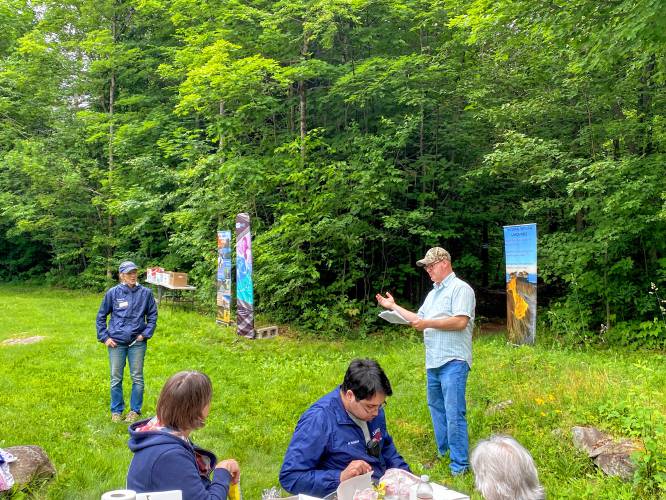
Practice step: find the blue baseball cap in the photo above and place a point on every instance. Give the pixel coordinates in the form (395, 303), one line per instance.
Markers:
(127, 266)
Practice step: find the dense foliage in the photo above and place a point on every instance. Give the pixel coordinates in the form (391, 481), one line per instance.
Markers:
(357, 133)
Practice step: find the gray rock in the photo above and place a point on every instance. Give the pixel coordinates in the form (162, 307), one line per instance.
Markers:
(587, 439)
(557, 433)
(499, 407)
(31, 463)
(616, 464)
(612, 457)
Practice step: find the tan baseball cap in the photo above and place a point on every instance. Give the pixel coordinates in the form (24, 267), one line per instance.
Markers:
(435, 254)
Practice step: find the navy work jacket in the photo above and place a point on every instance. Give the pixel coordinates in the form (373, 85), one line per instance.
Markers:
(133, 312)
(325, 441)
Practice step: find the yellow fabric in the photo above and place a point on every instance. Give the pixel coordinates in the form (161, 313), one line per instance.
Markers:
(234, 492)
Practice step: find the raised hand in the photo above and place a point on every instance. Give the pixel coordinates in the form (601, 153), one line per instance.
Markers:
(386, 302)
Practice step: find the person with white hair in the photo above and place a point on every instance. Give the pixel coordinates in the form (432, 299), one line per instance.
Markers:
(505, 470)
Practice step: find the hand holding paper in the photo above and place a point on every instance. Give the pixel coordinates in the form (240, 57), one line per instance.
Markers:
(347, 488)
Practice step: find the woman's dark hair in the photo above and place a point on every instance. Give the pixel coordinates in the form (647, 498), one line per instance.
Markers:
(364, 378)
(183, 399)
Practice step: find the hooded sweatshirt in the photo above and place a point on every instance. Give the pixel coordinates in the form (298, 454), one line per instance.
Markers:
(165, 460)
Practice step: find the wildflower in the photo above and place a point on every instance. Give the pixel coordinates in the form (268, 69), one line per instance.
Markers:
(539, 401)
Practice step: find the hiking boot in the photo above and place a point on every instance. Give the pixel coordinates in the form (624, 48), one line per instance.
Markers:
(116, 417)
(132, 416)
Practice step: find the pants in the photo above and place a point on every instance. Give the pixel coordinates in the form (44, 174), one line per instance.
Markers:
(446, 400)
(134, 355)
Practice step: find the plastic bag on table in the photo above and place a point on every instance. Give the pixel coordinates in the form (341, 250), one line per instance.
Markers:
(397, 483)
(366, 494)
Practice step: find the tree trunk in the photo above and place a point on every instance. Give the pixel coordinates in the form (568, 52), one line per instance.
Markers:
(221, 144)
(645, 105)
(111, 165)
(290, 118)
(485, 261)
(302, 100)
(109, 227)
(301, 107)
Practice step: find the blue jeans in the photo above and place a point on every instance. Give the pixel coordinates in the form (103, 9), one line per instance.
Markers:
(446, 401)
(117, 356)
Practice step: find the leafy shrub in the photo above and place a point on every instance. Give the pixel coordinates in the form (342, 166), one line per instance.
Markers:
(569, 320)
(631, 417)
(638, 334)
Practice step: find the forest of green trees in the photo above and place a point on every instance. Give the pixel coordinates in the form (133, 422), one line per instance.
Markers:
(356, 133)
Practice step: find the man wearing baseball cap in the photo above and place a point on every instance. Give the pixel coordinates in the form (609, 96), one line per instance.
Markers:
(133, 319)
(447, 320)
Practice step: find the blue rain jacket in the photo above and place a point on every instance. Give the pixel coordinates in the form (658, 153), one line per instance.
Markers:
(325, 441)
(133, 312)
(164, 462)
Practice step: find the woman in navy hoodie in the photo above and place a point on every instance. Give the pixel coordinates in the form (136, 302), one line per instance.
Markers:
(165, 458)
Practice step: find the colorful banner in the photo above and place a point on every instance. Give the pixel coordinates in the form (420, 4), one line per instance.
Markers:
(223, 277)
(520, 245)
(244, 290)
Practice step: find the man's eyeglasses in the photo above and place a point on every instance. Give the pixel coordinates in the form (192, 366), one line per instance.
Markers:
(428, 267)
(372, 408)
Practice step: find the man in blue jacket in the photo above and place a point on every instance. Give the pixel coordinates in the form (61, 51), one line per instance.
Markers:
(342, 435)
(133, 319)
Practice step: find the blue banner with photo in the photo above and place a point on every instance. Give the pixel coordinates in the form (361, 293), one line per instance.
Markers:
(224, 277)
(520, 246)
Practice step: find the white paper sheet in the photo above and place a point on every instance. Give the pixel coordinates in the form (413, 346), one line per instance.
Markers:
(393, 317)
(347, 488)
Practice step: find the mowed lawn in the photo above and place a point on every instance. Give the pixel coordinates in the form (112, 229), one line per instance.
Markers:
(55, 394)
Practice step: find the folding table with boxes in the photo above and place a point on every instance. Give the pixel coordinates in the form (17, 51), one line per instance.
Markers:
(170, 287)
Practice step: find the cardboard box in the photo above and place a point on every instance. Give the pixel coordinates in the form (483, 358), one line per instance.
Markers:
(151, 274)
(177, 279)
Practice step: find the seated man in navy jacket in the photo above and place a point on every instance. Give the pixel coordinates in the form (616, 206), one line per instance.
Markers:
(342, 435)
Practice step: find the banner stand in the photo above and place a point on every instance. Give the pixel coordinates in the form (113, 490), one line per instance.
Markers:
(223, 296)
(520, 245)
(244, 286)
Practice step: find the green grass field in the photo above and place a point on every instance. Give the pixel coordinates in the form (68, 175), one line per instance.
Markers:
(55, 394)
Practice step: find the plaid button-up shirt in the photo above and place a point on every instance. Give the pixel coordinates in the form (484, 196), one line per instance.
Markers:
(451, 297)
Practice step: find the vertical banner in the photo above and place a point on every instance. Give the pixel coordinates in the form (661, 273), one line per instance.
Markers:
(244, 291)
(520, 245)
(223, 277)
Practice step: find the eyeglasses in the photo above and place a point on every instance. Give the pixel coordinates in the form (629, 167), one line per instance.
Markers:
(428, 267)
(372, 408)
